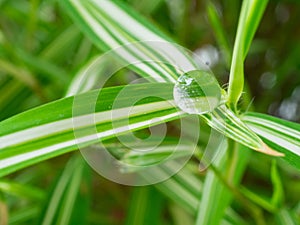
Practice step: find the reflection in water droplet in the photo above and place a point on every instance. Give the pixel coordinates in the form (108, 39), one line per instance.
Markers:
(197, 92)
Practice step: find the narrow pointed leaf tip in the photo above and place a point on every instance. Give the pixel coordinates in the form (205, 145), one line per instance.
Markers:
(269, 151)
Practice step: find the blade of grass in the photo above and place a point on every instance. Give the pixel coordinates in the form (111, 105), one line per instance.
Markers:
(250, 16)
(25, 141)
(46, 69)
(63, 203)
(22, 75)
(21, 190)
(108, 32)
(31, 24)
(219, 32)
(236, 77)
(179, 194)
(187, 194)
(92, 73)
(180, 216)
(145, 206)
(255, 12)
(47, 143)
(226, 122)
(216, 197)
(62, 44)
(278, 192)
(3, 212)
(12, 94)
(161, 153)
(24, 216)
(286, 216)
(281, 135)
(83, 52)
(146, 7)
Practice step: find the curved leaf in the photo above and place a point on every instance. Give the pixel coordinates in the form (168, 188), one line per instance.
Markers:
(48, 131)
(281, 135)
(140, 43)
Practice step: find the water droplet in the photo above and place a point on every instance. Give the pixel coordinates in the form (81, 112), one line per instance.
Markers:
(197, 92)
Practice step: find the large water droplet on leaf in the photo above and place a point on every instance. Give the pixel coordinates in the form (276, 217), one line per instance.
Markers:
(197, 92)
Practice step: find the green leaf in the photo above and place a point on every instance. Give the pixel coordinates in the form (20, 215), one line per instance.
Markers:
(236, 77)
(20, 74)
(21, 190)
(44, 68)
(48, 131)
(165, 151)
(62, 44)
(286, 216)
(62, 207)
(256, 10)
(226, 122)
(146, 6)
(185, 189)
(180, 216)
(24, 215)
(145, 206)
(250, 16)
(3, 211)
(219, 31)
(12, 94)
(209, 210)
(100, 22)
(89, 75)
(215, 196)
(278, 192)
(281, 135)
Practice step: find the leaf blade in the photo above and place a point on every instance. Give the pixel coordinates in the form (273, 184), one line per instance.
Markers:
(282, 135)
(25, 141)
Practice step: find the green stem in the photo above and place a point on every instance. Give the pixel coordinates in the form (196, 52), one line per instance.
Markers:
(32, 23)
(258, 200)
(236, 78)
(250, 16)
(232, 160)
(22, 75)
(3, 211)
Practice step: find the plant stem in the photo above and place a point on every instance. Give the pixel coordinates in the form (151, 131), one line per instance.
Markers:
(32, 24)
(257, 200)
(236, 78)
(250, 16)
(232, 160)
(3, 211)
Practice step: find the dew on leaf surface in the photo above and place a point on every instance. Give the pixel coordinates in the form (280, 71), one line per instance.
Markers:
(197, 92)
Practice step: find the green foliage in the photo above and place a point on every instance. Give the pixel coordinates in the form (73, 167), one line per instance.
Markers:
(55, 61)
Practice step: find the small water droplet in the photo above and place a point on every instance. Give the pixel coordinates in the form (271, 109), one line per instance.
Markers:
(197, 92)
